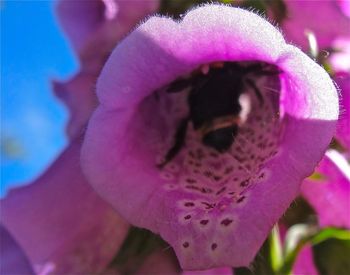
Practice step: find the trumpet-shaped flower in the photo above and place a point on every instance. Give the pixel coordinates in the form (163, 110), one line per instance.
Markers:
(215, 204)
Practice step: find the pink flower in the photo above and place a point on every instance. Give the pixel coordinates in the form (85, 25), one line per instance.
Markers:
(214, 208)
(329, 195)
(61, 224)
(339, 58)
(304, 263)
(327, 19)
(103, 24)
(94, 28)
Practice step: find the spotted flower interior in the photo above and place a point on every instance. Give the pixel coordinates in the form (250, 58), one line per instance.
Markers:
(210, 185)
(212, 180)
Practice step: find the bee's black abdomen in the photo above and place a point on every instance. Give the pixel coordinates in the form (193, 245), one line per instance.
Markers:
(221, 139)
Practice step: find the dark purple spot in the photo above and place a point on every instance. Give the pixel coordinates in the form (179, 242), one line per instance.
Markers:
(204, 222)
(208, 205)
(240, 159)
(226, 222)
(189, 204)
(189, 180)
(244, 183)
(192, 187)
(214, 246)
(231, 193)
(206, 190)
(217, 178)
(221, 190)
(241, 199)
(187, 217)
(185, 244)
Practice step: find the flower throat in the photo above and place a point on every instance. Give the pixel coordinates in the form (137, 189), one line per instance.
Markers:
(214, 103)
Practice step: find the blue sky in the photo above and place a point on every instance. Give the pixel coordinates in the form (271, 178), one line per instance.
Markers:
(33, 52)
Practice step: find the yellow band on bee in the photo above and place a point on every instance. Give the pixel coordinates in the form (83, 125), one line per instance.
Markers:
(219, 123)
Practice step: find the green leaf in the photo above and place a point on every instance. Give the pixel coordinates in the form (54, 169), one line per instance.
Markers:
(330, 232)
(276, 255)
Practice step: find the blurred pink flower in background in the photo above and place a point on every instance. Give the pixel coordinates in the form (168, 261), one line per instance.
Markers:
(214, 209)
(329, 195)
(304, 263)
(327, 19)
(93, 36)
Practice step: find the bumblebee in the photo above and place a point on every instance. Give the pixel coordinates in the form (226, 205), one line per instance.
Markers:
(214, 103)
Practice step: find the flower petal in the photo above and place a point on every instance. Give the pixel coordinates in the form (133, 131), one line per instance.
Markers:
(61, 223)
(330, 196)
(207, 226)
(79, 96)
(13, 261)
(304, 263)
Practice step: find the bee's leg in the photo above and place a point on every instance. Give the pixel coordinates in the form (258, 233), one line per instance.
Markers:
(256, 90)
(180, 136)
